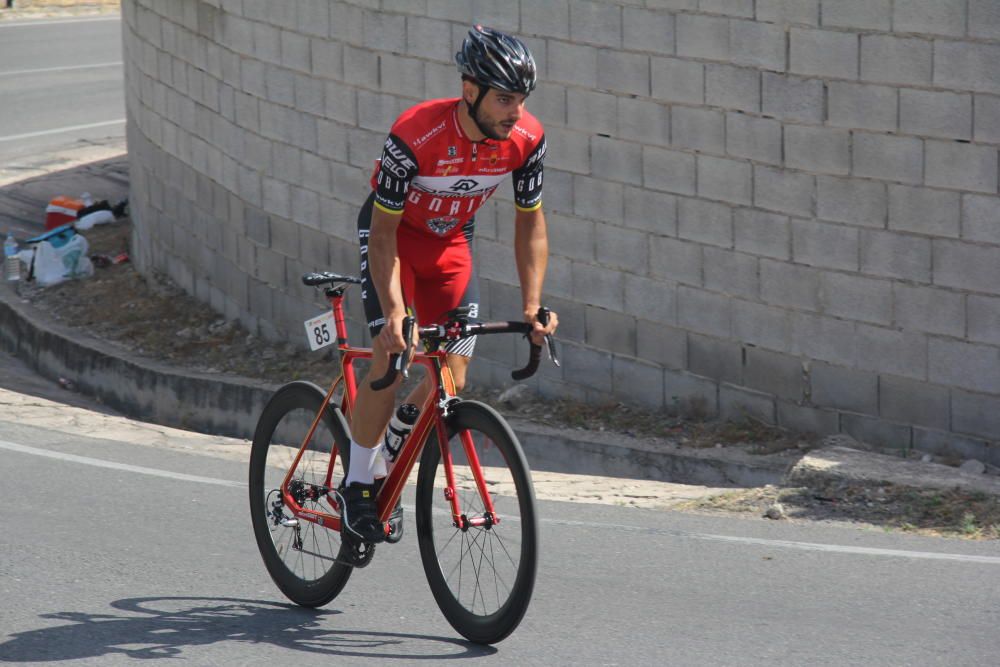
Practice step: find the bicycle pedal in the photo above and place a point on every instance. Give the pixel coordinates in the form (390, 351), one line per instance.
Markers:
(355, 554)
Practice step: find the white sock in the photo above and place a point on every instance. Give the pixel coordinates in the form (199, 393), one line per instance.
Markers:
(362, 464)
(379, 469)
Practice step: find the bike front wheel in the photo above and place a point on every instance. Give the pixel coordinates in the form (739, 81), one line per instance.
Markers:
(300, 556)
(482, 572)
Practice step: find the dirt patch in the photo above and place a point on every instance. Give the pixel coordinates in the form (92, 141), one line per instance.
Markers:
(155, 319)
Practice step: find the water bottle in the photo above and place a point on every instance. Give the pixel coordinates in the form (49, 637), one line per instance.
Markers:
(399, 427)
(11, 262)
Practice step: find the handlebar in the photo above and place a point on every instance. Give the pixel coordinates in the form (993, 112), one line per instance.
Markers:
(457, 327)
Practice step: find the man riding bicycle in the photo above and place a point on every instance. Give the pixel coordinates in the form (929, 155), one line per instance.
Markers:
(441, 162)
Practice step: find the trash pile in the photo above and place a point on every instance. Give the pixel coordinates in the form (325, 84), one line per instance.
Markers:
(61, 253)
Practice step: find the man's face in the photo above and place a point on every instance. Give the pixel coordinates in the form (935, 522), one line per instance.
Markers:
(499, 112)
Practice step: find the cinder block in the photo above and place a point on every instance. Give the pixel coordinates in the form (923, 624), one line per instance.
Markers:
(295, 51)
(637, 383)
(963, 166)
(944, 443)
(827, 246)
(598, 200)
(610, 330)
(984, 319)
(792, 98)
(930, 17)
(757, 45)
(651, 211)
(804, 419)
(704, 312)
(305, 207)
(617, 160)
(925, 211)
(277, 199)
(590, 111)
(574, 64)
(702, 36)
(705, 222)
(595, 23)
(851, 200)
(731, 273)
(661, 344)
(754, 138)
(360, 66)
(930, 310)
(267, 43)
(622, 248)
(761, 325)
(732, 87)
(545, 18)
(894, 255)
(890, 59)
(725, 180)
(817, 149)
(901, 353)
(863, 14)
(737, 403)
(588, 367)
(981, 218)
(690, 395)
(987, 118)
(700, 129)
(854, 105)
(784, 284)
(935, 114)
(843, 388)
(280, 85)
(314, 17)
(823, 53)
(651, 300)
(964, 365)
(877, 432)
(596, 286)
(805, 12)
(984, 19)
(568, 150)
(648, 30)
(643, 120)
(967, 66)
(670, 171)
(675, 260)
(675, 80)
(570, 237)
(856, 298)
(623, 72)
(719, 360)
(976, 414)
(784, 191)
(775, 373)
(760, 233)
(888, 157)
(824, 338)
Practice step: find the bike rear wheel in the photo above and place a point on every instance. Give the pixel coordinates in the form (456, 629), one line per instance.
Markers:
(300, 556)
(482, 577)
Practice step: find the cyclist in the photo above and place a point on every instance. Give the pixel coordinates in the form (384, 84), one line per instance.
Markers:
(442, 160)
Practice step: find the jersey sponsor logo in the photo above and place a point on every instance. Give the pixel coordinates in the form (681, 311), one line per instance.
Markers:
(443, 225)
(430, 134)
(465, 185)
(458, 160)
(452, 151)
(524, 133)
(395, 160)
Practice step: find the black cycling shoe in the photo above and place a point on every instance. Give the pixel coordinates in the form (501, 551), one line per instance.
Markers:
(395, 519)
(359, 512)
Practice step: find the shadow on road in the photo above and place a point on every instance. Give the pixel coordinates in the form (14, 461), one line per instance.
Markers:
(169, 624)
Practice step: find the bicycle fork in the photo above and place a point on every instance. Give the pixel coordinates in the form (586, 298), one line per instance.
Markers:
(461, 520)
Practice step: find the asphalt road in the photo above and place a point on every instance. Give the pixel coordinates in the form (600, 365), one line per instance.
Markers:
(61, 83)
(102, 564)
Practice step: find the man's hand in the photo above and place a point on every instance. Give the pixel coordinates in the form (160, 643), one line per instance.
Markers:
(539, 332)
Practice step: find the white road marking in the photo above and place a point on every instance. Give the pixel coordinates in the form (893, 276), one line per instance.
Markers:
(781, 544)
(24, 24)
(45, 70)
(86, 460)
(60, 130)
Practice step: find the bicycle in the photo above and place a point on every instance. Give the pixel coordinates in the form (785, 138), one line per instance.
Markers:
(475, 503)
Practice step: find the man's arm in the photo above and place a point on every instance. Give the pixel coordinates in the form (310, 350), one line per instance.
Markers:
(383, 261)
(531, 252)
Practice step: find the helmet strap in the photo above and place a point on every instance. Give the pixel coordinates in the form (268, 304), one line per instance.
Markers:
(474, 109)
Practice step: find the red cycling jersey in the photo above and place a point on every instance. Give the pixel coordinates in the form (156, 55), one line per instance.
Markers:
(432, 172)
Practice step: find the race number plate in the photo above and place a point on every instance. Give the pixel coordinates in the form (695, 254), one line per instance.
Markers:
(321, 331)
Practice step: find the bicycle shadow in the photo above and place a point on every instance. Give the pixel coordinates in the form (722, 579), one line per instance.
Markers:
(170, 624)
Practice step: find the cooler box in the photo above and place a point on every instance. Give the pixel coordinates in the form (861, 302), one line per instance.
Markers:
(61, 211)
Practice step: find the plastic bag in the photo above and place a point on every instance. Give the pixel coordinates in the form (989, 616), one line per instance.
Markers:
(54, 265)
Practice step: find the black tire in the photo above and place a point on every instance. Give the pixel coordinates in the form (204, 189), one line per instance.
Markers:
(307, 573)
(499, 562)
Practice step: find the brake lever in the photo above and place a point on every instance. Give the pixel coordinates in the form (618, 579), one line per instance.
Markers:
(403, 360)
(550, 342)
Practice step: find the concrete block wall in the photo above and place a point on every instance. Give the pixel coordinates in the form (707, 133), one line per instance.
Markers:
(787, 208)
